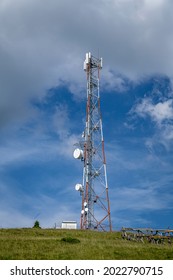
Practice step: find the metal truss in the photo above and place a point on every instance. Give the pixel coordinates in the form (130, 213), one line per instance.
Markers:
(95, 213)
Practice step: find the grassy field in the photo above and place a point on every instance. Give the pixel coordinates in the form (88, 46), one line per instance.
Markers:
(58, 244)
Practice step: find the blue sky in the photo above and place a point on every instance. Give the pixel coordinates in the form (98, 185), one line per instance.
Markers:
(43, 101)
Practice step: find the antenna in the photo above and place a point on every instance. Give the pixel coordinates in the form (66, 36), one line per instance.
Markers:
(95, 212)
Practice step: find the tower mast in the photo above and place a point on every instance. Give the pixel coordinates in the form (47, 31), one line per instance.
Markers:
(95, 213)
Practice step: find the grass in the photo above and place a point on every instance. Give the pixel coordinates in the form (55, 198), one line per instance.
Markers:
(59, 244)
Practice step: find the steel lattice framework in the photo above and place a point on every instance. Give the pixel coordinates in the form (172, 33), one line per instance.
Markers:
(95, 213)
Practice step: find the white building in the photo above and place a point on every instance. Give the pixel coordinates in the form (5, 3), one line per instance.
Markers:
(69, 225)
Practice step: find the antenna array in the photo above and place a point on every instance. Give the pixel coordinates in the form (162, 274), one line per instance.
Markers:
(95, 212)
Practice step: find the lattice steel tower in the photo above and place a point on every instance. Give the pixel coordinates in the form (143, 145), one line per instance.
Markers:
(95, 213)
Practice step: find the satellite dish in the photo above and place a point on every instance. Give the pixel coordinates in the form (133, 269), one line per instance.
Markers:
(85, 204)
(79, 187)
(78, 154)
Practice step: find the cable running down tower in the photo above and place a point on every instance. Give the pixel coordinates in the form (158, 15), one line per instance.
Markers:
(95, 209)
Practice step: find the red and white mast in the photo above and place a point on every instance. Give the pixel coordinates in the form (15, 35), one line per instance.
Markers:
(95, 212)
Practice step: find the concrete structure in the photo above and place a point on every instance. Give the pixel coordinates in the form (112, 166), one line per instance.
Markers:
(69, 225)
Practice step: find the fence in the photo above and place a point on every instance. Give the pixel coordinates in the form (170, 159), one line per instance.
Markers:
(154, 236)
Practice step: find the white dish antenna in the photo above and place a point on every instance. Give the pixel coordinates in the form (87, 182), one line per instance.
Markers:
(79, 187)
(78, 153)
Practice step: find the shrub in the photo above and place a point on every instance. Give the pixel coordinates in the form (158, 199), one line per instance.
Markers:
(70, 240)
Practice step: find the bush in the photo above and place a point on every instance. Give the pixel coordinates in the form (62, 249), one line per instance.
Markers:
(70, 240)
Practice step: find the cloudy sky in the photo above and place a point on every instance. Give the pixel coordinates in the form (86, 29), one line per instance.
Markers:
(42, 108)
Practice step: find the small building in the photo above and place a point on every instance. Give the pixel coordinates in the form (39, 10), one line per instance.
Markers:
(69, 225)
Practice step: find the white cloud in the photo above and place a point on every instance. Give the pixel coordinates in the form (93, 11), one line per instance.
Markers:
(43, 44)
(159, 112)
(140, 199)
(46, 137)
(16, 152)
(42, 208)
(36, 150)
(48, 209)
(61, 121)
(163, 137)
(168, 133)
(10, 218)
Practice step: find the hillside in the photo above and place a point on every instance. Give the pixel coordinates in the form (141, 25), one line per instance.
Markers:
(58, 244)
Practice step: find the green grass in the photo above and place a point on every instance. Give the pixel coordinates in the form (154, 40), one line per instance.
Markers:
(58, 244)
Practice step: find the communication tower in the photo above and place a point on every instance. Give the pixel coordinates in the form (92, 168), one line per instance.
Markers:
(95, 212)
